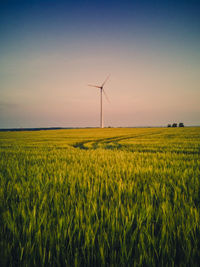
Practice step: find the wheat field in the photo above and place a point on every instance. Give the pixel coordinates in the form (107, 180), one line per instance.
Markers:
(100, 197)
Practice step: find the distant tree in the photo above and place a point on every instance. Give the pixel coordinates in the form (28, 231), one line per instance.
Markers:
(174, 125)
(181, 124)
(169, 125)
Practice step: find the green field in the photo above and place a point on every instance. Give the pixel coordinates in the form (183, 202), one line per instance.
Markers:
(100, 197)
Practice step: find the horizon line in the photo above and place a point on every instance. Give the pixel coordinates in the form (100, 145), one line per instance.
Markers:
(86, 127)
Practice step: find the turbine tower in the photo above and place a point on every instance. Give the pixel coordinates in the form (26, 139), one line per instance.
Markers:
(101, 99)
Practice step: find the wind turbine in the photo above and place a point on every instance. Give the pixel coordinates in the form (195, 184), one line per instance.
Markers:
(101, 102)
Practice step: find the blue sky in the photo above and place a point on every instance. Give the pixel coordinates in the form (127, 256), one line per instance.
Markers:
(50, 51)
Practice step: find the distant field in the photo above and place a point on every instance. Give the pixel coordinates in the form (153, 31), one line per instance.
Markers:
(100, 197)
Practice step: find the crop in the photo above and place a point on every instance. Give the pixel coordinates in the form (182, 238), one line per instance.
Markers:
(100, 197)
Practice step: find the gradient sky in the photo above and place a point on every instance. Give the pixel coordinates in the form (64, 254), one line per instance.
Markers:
(50, 50)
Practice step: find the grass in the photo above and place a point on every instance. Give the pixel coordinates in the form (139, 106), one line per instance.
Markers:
(100, 197)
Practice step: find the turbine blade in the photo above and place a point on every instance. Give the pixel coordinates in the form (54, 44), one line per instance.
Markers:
(105, 80)
(106, 96)
(94, 85)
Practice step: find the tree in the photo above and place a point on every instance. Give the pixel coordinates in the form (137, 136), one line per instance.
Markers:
(174, 125)
(181, 124)
(169, 125)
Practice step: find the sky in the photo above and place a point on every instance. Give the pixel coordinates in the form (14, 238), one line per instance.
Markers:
(51, 50)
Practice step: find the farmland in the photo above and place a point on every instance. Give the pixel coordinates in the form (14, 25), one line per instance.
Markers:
(100, 197)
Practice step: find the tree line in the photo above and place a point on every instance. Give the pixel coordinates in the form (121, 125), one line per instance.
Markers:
(181, 124)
